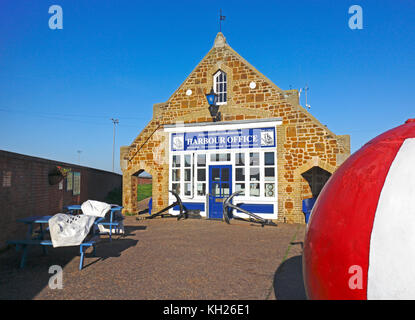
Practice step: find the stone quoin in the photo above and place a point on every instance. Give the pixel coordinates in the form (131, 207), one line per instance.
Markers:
(265, 145)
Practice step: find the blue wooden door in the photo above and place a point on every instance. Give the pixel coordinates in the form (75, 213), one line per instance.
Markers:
(220, 187)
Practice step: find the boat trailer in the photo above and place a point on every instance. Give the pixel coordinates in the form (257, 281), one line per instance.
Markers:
(227, 204)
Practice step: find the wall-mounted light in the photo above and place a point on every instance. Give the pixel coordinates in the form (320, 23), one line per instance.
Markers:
(212, 99)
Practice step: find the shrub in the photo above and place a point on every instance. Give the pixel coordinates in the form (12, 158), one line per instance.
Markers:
(114, 196)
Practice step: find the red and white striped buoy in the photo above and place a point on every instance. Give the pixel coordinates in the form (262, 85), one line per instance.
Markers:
(360, 240)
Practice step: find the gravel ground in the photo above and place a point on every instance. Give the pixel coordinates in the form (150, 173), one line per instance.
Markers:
(168, 259)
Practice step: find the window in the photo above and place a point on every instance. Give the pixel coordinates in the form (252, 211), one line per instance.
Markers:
(220, 157)
(254, 189)
(269, 189)
(7, 178)
(69, 181)
(187, 189)
(76, 189)
(240, 187)
(254, 159)
(254, 174)
(239, 177)
(240, 159)
(269, 158)
(269, 174)
(187, 160)
(176, 161)
(176, 187)
(176, 175)
(201, 175)
(201, 189)
(201, 160)
(220, 86)
(182, 174)
(240, 174)
(187, 175)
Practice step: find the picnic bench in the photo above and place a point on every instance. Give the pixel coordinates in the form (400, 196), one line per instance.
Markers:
(39, 242)
(73, 209)
(110, 223)
(39, 239)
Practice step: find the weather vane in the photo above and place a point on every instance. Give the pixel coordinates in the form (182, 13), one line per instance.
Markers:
(221, 18)
(306, 88)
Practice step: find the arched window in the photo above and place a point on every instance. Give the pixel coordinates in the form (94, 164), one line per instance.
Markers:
(220, 86)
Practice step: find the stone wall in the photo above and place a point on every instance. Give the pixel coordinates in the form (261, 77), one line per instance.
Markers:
(302, 141)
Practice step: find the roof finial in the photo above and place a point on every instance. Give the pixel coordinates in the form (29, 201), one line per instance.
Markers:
(220, 40)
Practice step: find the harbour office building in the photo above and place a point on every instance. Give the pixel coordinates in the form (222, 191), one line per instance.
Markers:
(228, 128)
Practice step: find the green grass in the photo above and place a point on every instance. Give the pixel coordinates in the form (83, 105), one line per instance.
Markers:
(144, 191)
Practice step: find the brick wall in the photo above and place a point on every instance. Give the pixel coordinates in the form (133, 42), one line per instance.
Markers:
(302, 141)
(141, 180)
(25, 190)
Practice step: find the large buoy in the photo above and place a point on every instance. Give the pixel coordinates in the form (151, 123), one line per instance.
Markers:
(360, 239)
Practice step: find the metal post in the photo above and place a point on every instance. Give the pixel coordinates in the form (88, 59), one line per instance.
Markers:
(79, 157)
(114, 121)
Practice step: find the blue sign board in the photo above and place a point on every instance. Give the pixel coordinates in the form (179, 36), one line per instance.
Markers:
(226, 139)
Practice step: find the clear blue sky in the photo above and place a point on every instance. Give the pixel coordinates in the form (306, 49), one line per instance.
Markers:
(59, 88)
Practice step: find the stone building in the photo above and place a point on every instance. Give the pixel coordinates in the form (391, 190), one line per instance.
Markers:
(265, 144)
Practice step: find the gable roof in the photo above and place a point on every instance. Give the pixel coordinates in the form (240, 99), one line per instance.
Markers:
(220, 42)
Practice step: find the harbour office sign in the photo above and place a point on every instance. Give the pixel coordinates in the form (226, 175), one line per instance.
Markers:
(226, 139)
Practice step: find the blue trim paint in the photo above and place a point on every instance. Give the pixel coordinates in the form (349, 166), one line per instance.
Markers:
(257, 208)
(191, 206)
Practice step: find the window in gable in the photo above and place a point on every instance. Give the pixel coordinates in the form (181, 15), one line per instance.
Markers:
(220, 86)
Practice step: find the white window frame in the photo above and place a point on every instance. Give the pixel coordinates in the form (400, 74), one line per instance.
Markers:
(238, 199)
(274, 166)
(215, 82)
(232, 162)
(196, 181)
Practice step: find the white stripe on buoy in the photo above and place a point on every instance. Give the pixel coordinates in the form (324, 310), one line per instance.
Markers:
(391, 273)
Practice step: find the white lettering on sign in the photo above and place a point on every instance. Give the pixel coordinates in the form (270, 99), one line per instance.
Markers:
(221, 140)
(241, 138)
